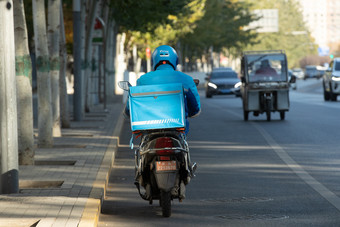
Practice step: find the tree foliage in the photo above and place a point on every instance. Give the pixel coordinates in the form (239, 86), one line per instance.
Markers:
(175, 27)
(68, 21)
(293, 35)
(222, 25)
(196, 24)
(144, 15)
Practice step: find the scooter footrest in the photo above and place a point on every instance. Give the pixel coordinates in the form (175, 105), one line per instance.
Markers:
(192, 170)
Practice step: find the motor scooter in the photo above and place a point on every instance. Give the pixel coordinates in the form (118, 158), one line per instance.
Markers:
(162, 164)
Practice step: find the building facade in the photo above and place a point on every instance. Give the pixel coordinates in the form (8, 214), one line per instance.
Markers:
(323, 20)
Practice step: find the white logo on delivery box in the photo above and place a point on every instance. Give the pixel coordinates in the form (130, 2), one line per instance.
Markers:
(153, 122)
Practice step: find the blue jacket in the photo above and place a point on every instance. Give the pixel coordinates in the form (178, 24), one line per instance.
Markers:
(166, 74)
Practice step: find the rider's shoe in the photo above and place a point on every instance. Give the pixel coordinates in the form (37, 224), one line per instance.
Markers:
(182, 191)
(148, 192)
(174, 191)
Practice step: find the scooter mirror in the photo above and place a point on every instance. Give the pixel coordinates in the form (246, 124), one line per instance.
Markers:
(125, 85)
(197, 82)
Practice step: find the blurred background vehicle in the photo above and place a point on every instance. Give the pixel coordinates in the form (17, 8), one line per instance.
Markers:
(292, 79)
(321, 70)
(222, 81)
(311, 72)
(331, 81)
(314, 71)
(265, 85)
(298, 72)
(222, 69)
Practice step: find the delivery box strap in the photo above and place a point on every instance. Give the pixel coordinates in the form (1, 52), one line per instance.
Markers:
(156, 93)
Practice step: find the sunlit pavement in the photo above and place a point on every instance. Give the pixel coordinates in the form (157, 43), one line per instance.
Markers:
(67, 183)
(255, 173)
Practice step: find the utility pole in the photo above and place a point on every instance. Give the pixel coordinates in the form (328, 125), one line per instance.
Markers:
(78, 107)
(8, 103)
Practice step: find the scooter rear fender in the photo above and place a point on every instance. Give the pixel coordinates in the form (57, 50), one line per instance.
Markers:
(166, 179)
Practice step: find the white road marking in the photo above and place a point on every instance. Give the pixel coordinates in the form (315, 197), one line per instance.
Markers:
(294, 166)
(298, 170)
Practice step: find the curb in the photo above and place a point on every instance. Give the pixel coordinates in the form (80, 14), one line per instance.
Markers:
(92, 208)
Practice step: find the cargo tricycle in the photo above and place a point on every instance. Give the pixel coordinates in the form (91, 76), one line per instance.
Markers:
(265, 85)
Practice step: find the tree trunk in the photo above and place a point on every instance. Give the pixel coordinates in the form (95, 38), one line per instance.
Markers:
(211, 52)
(110, 56)
(106, 44)
(64, 108)
(24, 87)
(101, 73)
(120, 62)
(134, 58)
(53, 48)
(78, 56)
(88, 52)
(138, 67)
(43, 78)
(103, 65)
(9, 182)
(84, 63)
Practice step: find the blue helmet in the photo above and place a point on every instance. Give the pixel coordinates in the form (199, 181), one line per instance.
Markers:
(164, 55)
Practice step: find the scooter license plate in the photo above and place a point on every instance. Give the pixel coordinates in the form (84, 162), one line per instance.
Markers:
(166, 166)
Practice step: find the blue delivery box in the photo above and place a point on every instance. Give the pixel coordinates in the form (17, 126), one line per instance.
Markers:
(157, 107)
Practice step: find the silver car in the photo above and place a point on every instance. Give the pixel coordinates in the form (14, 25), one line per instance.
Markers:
(331, 81)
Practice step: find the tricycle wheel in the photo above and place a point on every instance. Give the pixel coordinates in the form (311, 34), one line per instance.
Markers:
(268, 107)
(166, 203)
(245, 115)
(332, 96)
(326, 94)
(282, 115)
(268, 115)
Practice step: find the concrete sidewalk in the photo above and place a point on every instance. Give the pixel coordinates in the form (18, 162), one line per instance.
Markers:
(67, 184)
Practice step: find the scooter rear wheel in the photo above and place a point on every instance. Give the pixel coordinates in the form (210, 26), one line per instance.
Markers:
(166, 203)
(282, 115)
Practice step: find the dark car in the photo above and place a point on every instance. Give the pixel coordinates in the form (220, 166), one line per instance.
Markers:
(222, 81)
(313, 71)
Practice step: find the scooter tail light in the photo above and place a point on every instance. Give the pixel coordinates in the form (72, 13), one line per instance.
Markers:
(164, 142)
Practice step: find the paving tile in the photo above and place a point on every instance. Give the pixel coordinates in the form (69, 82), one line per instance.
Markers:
(64, 206)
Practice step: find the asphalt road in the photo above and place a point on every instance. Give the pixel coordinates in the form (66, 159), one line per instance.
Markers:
(255, 173)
